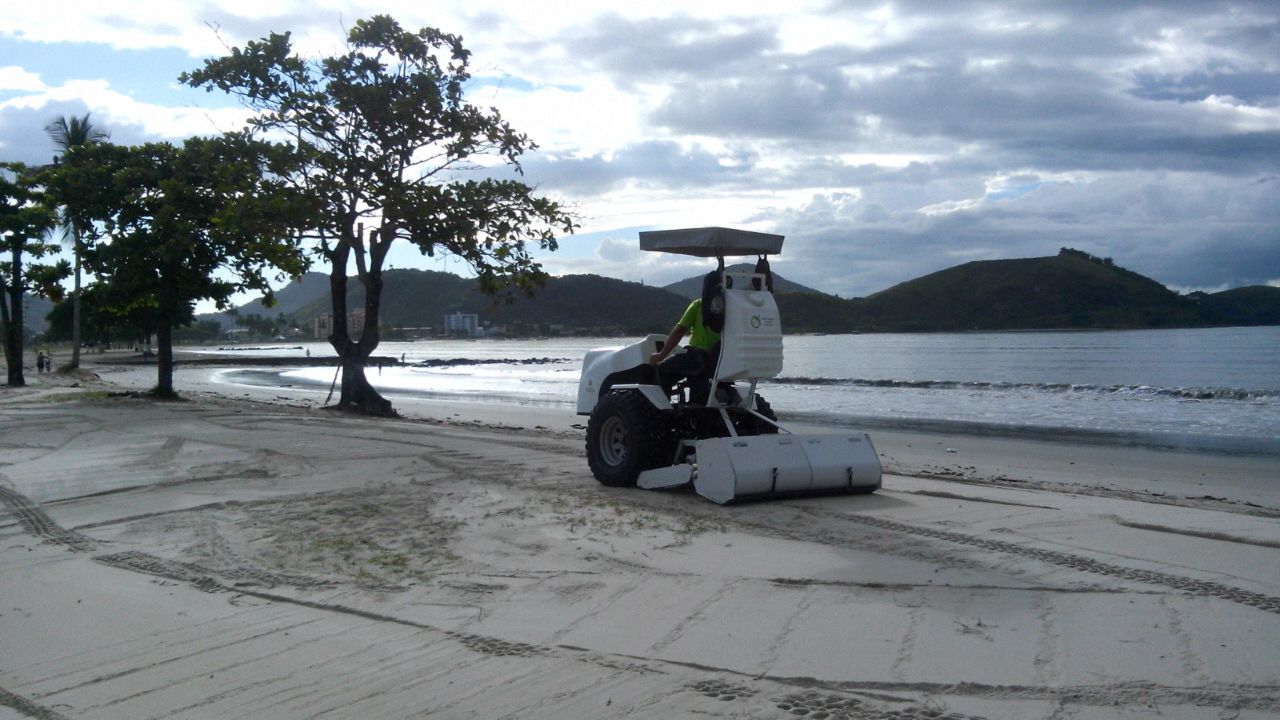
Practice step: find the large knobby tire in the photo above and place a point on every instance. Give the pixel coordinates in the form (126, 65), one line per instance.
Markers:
(626, 435)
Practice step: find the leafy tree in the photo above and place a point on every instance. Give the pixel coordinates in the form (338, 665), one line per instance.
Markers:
(67, 134)
(201, 221)
(25, 219)
(199, 331)
(260, 326)
(101, 323)
(386, 134)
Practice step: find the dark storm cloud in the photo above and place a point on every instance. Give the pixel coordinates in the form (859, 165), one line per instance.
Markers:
(668, 165)
(855, 249)
(1070, 116)
(657, 163)
(25, 140)
(662, 48)
(1023, 94)
(772, 105)
(1053, 84)
(1187, 231)
(23, 129)
(1144, 131)
(1250, 86)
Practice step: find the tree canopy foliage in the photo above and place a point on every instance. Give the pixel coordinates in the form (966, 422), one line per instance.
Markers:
(182, 224)
(390, 143)
(26, 217)
(68, 133)
(102, 323)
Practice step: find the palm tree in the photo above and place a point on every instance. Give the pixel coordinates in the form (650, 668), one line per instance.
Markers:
(67, 134)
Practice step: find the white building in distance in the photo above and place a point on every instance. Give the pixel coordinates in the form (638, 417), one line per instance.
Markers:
(464, 324)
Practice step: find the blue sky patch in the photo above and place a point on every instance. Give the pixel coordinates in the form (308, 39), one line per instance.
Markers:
(149, 76)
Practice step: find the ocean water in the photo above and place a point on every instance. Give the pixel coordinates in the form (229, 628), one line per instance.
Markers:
(1207, 389)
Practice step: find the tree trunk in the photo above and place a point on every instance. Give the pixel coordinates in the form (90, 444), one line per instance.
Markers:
(357, 393)
(13, 356)
(5, 324)
(164, 358)
(75, 307)
(13, 323)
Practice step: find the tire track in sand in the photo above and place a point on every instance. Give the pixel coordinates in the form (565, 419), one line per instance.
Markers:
(908, 644)
(38, 523)
(1048, 642)
(1204, 588)
(811, 698)
(27, 707)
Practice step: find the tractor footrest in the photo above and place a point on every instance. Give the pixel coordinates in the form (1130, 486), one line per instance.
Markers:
(665, 477)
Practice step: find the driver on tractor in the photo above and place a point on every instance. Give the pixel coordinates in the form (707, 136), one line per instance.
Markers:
(698, 359)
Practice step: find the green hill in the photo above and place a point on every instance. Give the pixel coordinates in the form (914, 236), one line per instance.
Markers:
(410, 298)
(1255, 305)
(35, 312)
(591, 301)
(692, 287)
(290, 300)
(1069, 290)
(421, 298)
(1072, 290)
(816, 312)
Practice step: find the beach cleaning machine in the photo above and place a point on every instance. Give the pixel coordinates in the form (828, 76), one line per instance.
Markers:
(649, 431)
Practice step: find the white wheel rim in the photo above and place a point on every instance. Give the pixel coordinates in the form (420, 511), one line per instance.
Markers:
(613, 441)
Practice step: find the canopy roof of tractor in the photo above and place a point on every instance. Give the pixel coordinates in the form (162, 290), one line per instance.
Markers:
(711, 242)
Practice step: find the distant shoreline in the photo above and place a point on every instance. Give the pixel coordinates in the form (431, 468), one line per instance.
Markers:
(265, 373)
(962, 452)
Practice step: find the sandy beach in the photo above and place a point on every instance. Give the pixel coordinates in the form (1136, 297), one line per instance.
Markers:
(245, 553)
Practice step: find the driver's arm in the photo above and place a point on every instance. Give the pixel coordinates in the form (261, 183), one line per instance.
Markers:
(673, 341)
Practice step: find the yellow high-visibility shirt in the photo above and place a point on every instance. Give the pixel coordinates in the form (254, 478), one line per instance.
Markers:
(700, 336)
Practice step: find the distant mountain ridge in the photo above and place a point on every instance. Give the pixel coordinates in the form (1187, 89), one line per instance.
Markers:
(692, 287)
(1069, 290)
(290, 300)
(421, 298)
(34, 311)
(1072, 290)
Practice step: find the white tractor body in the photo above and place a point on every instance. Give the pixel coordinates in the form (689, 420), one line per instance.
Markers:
(748, 455)
(601, 363)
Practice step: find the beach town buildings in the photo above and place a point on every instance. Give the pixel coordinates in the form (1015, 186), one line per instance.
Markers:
(322, 326)
(460, 324)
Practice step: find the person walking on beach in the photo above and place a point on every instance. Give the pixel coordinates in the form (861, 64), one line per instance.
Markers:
(39, 361)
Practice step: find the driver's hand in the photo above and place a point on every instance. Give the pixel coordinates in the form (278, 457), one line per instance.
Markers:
(655, 358)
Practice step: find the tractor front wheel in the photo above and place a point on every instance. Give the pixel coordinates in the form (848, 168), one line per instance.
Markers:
(626, 435)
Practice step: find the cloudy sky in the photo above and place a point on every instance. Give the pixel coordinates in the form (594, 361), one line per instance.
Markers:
(886, 140)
